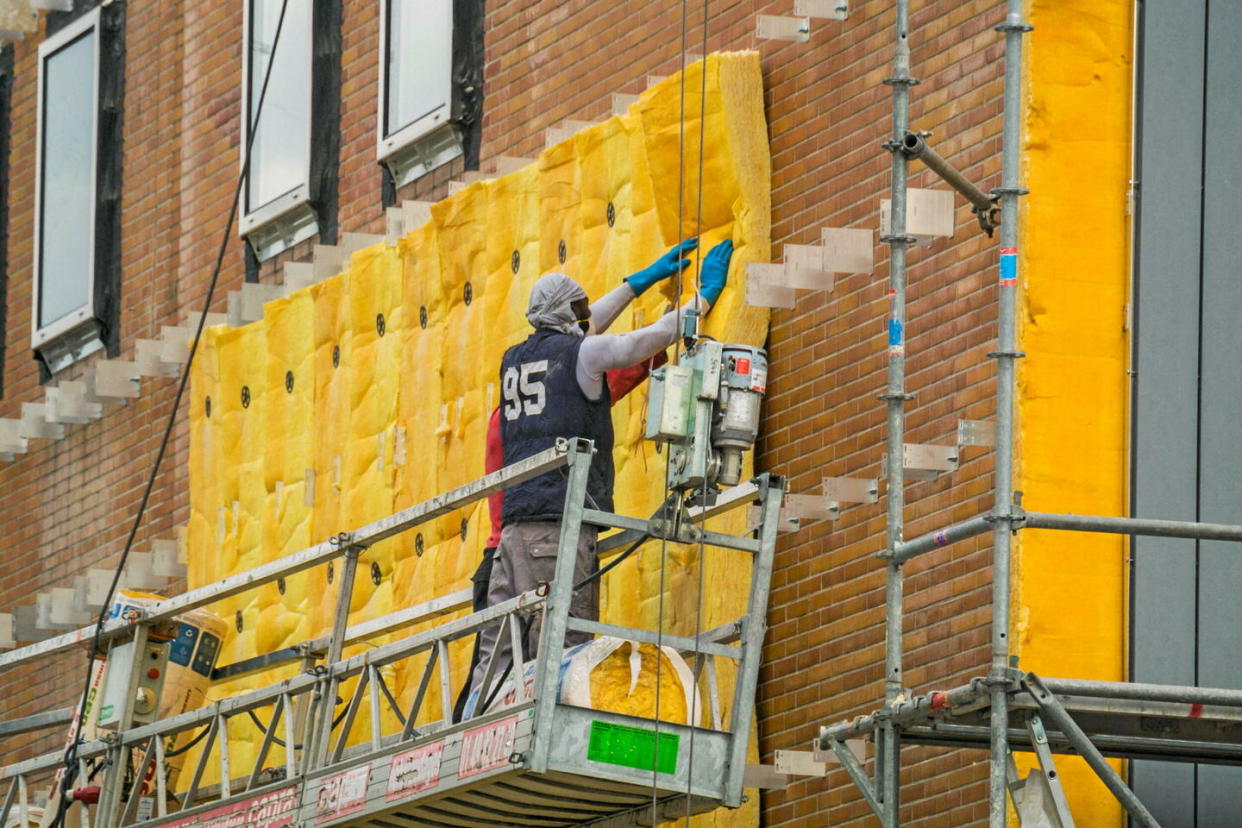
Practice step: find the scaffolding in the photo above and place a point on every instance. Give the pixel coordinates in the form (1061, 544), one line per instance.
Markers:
(526, 758)
(1008, 708)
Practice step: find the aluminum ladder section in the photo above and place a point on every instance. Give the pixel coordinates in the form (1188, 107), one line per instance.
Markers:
(529, 761)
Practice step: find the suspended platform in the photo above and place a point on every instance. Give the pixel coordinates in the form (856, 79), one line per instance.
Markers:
(527, 760)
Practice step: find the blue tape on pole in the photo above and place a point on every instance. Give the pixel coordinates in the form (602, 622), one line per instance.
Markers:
(895, 331)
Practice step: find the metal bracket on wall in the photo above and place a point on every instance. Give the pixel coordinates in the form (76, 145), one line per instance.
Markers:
(824, 9)
(852, 489)
(797, 510)
(773, 27)
(976, 433)
(926, 462)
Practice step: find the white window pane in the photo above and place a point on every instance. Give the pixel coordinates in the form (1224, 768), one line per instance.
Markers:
(66, 205)
(420, 56)
(280, 156)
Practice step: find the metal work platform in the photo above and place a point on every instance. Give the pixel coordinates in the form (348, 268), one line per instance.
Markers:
(1124, 720)
(1091, 719)
(362, 758)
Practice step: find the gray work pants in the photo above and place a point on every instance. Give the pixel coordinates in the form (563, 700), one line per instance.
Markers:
(525, 557)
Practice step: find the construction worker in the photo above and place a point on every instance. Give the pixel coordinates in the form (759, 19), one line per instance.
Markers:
(619, 382)
(552, 386)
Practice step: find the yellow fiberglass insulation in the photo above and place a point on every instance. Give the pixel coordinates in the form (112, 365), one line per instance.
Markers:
(614, 685)
(370, 391)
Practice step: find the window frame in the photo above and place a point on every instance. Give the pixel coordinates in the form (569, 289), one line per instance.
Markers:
(298, 199)
(42, 336)
(433, 139)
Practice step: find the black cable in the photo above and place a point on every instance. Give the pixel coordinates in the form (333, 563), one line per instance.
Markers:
(201, 735)
(264, 728)
(599, 573)
(500, 682)
(71, 751)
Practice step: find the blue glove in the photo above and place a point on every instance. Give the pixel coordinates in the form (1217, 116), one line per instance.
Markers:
(715, 271)
(667, 265)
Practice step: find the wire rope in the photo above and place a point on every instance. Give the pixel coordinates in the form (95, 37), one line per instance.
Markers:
(681, 207)
(693, 715)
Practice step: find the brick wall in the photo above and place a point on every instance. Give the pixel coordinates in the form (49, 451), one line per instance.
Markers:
(828, 114)
(68, 504)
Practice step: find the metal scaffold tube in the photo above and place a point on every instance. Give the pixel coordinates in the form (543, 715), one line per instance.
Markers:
(1005, 354)
(1133, 526)
(1145, 692)
(940, 538)
(914, 146)
(983, 205)
(888, 764)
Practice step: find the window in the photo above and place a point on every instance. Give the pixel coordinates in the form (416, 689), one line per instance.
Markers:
(277, 204)
(77, 227)
(416, 128)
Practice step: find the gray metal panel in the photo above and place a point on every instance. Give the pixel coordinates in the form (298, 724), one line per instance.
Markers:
(1220, 492)
(1220, 469)
(1167, 348)
(1167, 363)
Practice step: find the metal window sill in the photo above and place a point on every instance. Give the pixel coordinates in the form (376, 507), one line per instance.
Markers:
(424, 154)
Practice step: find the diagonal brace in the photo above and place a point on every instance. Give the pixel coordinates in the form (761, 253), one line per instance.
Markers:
(850, 762)
(1062, 721)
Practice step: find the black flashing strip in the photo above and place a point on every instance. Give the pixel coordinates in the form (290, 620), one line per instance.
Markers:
(6, 111)
(325, 161)
(468, 76)
(388, 187)
(251, 273)
(108, 176)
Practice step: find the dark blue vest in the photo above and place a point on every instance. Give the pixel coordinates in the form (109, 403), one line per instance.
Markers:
(540, 400)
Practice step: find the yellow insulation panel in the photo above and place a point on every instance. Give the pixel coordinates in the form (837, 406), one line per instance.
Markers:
(1072, 385)
(370, 391)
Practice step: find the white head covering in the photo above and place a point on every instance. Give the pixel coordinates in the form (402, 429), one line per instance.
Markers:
(550, 301)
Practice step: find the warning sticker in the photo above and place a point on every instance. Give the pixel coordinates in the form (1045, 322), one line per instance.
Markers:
(343, 794)
(486, 748)
(633, 747)
(275, 809)
(415, 770)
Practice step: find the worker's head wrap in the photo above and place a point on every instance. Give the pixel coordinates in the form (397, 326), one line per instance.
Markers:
(551, 301)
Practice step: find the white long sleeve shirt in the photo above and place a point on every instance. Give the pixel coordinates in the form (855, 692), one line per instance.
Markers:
(603, 351)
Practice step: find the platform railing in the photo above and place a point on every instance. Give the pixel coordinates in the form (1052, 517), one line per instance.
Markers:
(316, 714)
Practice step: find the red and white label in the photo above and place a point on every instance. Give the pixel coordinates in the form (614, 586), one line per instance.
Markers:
(415, 770)
(759, 381)
(486, 748)
(742, 366)
(270, 810)
(343, 794)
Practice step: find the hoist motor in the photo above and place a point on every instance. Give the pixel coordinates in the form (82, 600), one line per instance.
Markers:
(706, 408)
